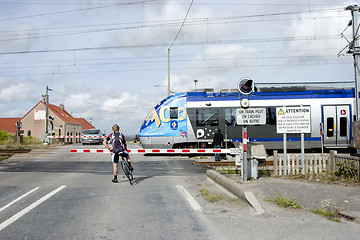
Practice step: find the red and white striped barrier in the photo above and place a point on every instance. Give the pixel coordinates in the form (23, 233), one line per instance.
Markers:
(75, 137)
(168, 151)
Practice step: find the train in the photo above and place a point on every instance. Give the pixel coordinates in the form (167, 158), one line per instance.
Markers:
(190, 119)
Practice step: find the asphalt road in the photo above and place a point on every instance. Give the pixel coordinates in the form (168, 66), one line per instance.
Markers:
(55, 194)
(87, 205)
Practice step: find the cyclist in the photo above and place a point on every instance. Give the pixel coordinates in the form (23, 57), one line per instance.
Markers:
(118, 147)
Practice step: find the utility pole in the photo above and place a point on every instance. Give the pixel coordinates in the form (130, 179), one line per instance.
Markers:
(46, 97)
(168, 87)
(354, 49)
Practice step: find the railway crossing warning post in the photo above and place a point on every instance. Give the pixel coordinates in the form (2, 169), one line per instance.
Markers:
(247, 116)
(294, 119)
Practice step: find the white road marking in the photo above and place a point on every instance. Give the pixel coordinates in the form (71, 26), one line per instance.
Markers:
(193, 203)
(19, 198)
(29, 208)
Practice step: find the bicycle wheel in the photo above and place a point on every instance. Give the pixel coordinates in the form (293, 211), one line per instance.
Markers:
(126, 170)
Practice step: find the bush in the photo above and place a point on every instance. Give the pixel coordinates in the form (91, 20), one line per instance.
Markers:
(31, 140)
(347, 170)
(5, 136)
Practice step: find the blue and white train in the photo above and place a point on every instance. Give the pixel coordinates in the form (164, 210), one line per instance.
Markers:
(190, 119)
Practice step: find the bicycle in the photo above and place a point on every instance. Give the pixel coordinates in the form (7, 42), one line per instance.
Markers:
(126, 169)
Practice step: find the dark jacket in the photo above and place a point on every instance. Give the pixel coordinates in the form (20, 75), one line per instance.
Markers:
(219, 139)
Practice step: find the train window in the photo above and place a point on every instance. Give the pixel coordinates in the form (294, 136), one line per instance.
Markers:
(330, 127)
(207, 117)
(343, 126)
(271, 115)
(230, 116)
(173, 113)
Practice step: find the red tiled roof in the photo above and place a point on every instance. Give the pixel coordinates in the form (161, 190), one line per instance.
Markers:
(63, 114)
(8, 124)
(85, 124)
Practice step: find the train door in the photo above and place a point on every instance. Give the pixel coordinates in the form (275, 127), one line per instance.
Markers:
(336, 122)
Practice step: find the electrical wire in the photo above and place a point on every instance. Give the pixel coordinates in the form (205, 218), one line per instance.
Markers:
(177, 35)
(96, 104)
(72, 11)
(180, 68)
(216, 42)
(201, 59)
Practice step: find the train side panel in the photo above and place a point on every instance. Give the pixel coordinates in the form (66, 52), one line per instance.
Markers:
(209, 114)
(191, 119)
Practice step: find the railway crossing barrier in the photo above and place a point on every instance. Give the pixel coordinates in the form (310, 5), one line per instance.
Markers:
(48, 139)
(164, 151)
(75, 136)
(253, 163)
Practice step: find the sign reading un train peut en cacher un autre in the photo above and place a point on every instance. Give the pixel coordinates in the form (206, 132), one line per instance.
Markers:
(293, 119)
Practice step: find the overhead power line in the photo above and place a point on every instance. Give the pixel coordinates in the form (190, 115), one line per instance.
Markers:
(177, 35)
(73, 10)
(149, 58)
(47, 33)
(215, 42)
(99, 63)
(209, 3)
(227, 66)
(96, 104)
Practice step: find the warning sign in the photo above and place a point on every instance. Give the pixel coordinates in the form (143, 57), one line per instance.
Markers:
(293, 119)
(251, 116)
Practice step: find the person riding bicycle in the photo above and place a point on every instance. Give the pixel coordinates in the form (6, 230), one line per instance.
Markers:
(118, 147)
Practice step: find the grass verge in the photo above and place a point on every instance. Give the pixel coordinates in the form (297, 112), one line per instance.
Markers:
(285, 202)
(210, 197)
(332, 215)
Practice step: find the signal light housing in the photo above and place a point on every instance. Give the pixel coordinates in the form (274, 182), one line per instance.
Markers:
(246, 86)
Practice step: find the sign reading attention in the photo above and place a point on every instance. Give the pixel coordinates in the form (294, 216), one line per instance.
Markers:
(251, 116)
(293, 119)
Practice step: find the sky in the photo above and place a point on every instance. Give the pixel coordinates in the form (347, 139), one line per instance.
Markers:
(107, 60)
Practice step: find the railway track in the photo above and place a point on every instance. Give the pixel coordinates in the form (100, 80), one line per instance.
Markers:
(7, 153)
(225, 163)
(14, 151)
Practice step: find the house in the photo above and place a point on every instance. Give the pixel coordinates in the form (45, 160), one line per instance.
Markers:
(63, 124)
(85, 124)
(8, 125)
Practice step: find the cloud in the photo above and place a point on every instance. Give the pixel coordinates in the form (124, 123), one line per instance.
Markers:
(214, 67)
(18, 37)
(121, 102)
(15, 92)
(322, 31)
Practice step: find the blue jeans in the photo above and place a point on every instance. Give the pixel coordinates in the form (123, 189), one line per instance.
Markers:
(217, 155)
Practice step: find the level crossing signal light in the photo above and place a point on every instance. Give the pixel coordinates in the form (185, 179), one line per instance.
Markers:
(246, 86)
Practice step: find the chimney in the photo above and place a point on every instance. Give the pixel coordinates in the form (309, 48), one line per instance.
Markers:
(62, 106)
